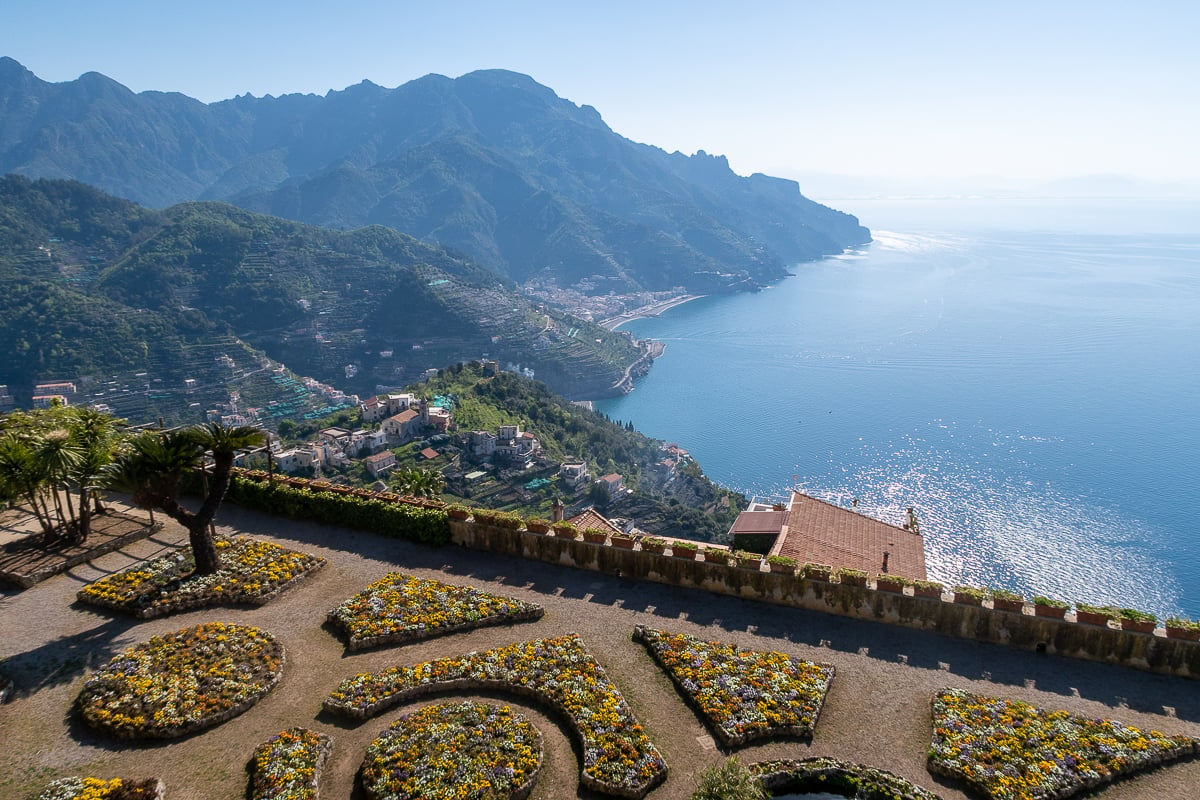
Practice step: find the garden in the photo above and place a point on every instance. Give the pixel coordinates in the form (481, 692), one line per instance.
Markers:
(742, 694)
(400, 608)
(252, 572)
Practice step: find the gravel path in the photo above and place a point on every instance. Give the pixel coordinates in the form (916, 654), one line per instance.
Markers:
(877, 711)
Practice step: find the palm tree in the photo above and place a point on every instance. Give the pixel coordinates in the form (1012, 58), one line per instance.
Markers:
(23, 476)
(155, 463)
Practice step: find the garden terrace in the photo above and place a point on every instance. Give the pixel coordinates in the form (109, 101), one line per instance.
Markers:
(876, 713)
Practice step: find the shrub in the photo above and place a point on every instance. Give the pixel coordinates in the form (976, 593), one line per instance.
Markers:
(684, 546)
(1133, 615)
(728, 781)
(1004, 594)
(1050, 602)
(783, 561)
(1184, 623)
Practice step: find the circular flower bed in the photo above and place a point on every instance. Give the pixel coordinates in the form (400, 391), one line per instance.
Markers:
(99, 789)
(182, 682)
(618, 757)
(288, 765)
(742, 694)
(831, 776)
(399, 608)
(251, 572)
(447, 752)
(1010, 750)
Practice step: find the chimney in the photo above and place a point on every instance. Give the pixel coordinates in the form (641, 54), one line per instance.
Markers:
(556, 511)
(886, 554)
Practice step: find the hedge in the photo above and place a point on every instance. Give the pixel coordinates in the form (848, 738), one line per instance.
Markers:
(398, 520)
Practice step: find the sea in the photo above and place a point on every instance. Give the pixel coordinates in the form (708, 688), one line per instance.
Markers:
(1024, 373)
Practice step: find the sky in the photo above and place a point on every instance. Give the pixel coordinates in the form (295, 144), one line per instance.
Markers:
(887, 96)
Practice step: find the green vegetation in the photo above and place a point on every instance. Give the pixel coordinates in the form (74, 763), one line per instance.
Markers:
(729, 781)
(687, 506)
(132, 303)
(154, 464)
(53, 460)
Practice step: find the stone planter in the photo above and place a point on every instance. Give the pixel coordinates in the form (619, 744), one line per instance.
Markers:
(684, 553)
(657, 549)
(815, 574)
(623, 542)
(963, 598)
(782, 569)
(537, 527)
(1139, 626)
(595, 538)
(852, 580)
(750, 563)
(1092, 617)
(1003, 604)
(1187, 634)
(457, 513)
(931, 592)
(716, 558)
(889, 585)
(1050, 612)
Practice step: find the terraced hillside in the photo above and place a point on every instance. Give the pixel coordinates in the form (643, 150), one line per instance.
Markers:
(100, 290)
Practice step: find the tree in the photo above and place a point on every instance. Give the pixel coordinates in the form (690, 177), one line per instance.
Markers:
(155, 463)
(49, 455)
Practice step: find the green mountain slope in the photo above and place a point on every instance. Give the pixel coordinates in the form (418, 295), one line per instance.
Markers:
(492, 163)
(678, 502)
(97, 286)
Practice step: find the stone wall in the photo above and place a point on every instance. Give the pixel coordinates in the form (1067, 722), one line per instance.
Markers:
(1066, 637)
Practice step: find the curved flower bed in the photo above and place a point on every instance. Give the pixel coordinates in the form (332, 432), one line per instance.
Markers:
(1010, 750)
(742, 694)
(76, 788)
(400, 608)
(618, 757)
(288, 765)
(182, 682)
(445, 752)
(836, 777)
(253, 572)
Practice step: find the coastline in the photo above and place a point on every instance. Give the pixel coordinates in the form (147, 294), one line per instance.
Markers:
(652, 310)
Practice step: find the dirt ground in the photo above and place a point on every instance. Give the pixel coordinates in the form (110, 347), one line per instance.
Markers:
(877, 711)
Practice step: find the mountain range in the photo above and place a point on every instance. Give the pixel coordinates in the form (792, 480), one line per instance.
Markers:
(492, 164)
(103, 292)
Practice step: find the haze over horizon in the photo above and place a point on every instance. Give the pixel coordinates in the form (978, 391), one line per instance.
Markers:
(870, 97)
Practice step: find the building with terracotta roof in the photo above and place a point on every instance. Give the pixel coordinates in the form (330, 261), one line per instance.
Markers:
(813, 531)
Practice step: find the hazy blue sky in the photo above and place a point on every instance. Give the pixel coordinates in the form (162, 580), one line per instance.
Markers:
(898, 89)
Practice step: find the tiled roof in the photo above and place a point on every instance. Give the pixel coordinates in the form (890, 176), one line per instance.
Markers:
(429, 452)
(405, 416)
(823, 533)
(759, 522)
(593, 519)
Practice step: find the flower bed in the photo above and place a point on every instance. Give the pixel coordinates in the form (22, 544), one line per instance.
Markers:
(181, 682)
(288, 765)
(742, 694)
(1010, 750)
(448, 751)
(828, 775)
(76, 788)
(252, 572)
(401, 608)
(618, 757)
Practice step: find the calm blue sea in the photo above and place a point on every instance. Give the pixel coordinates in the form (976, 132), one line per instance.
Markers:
(1025, 374)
